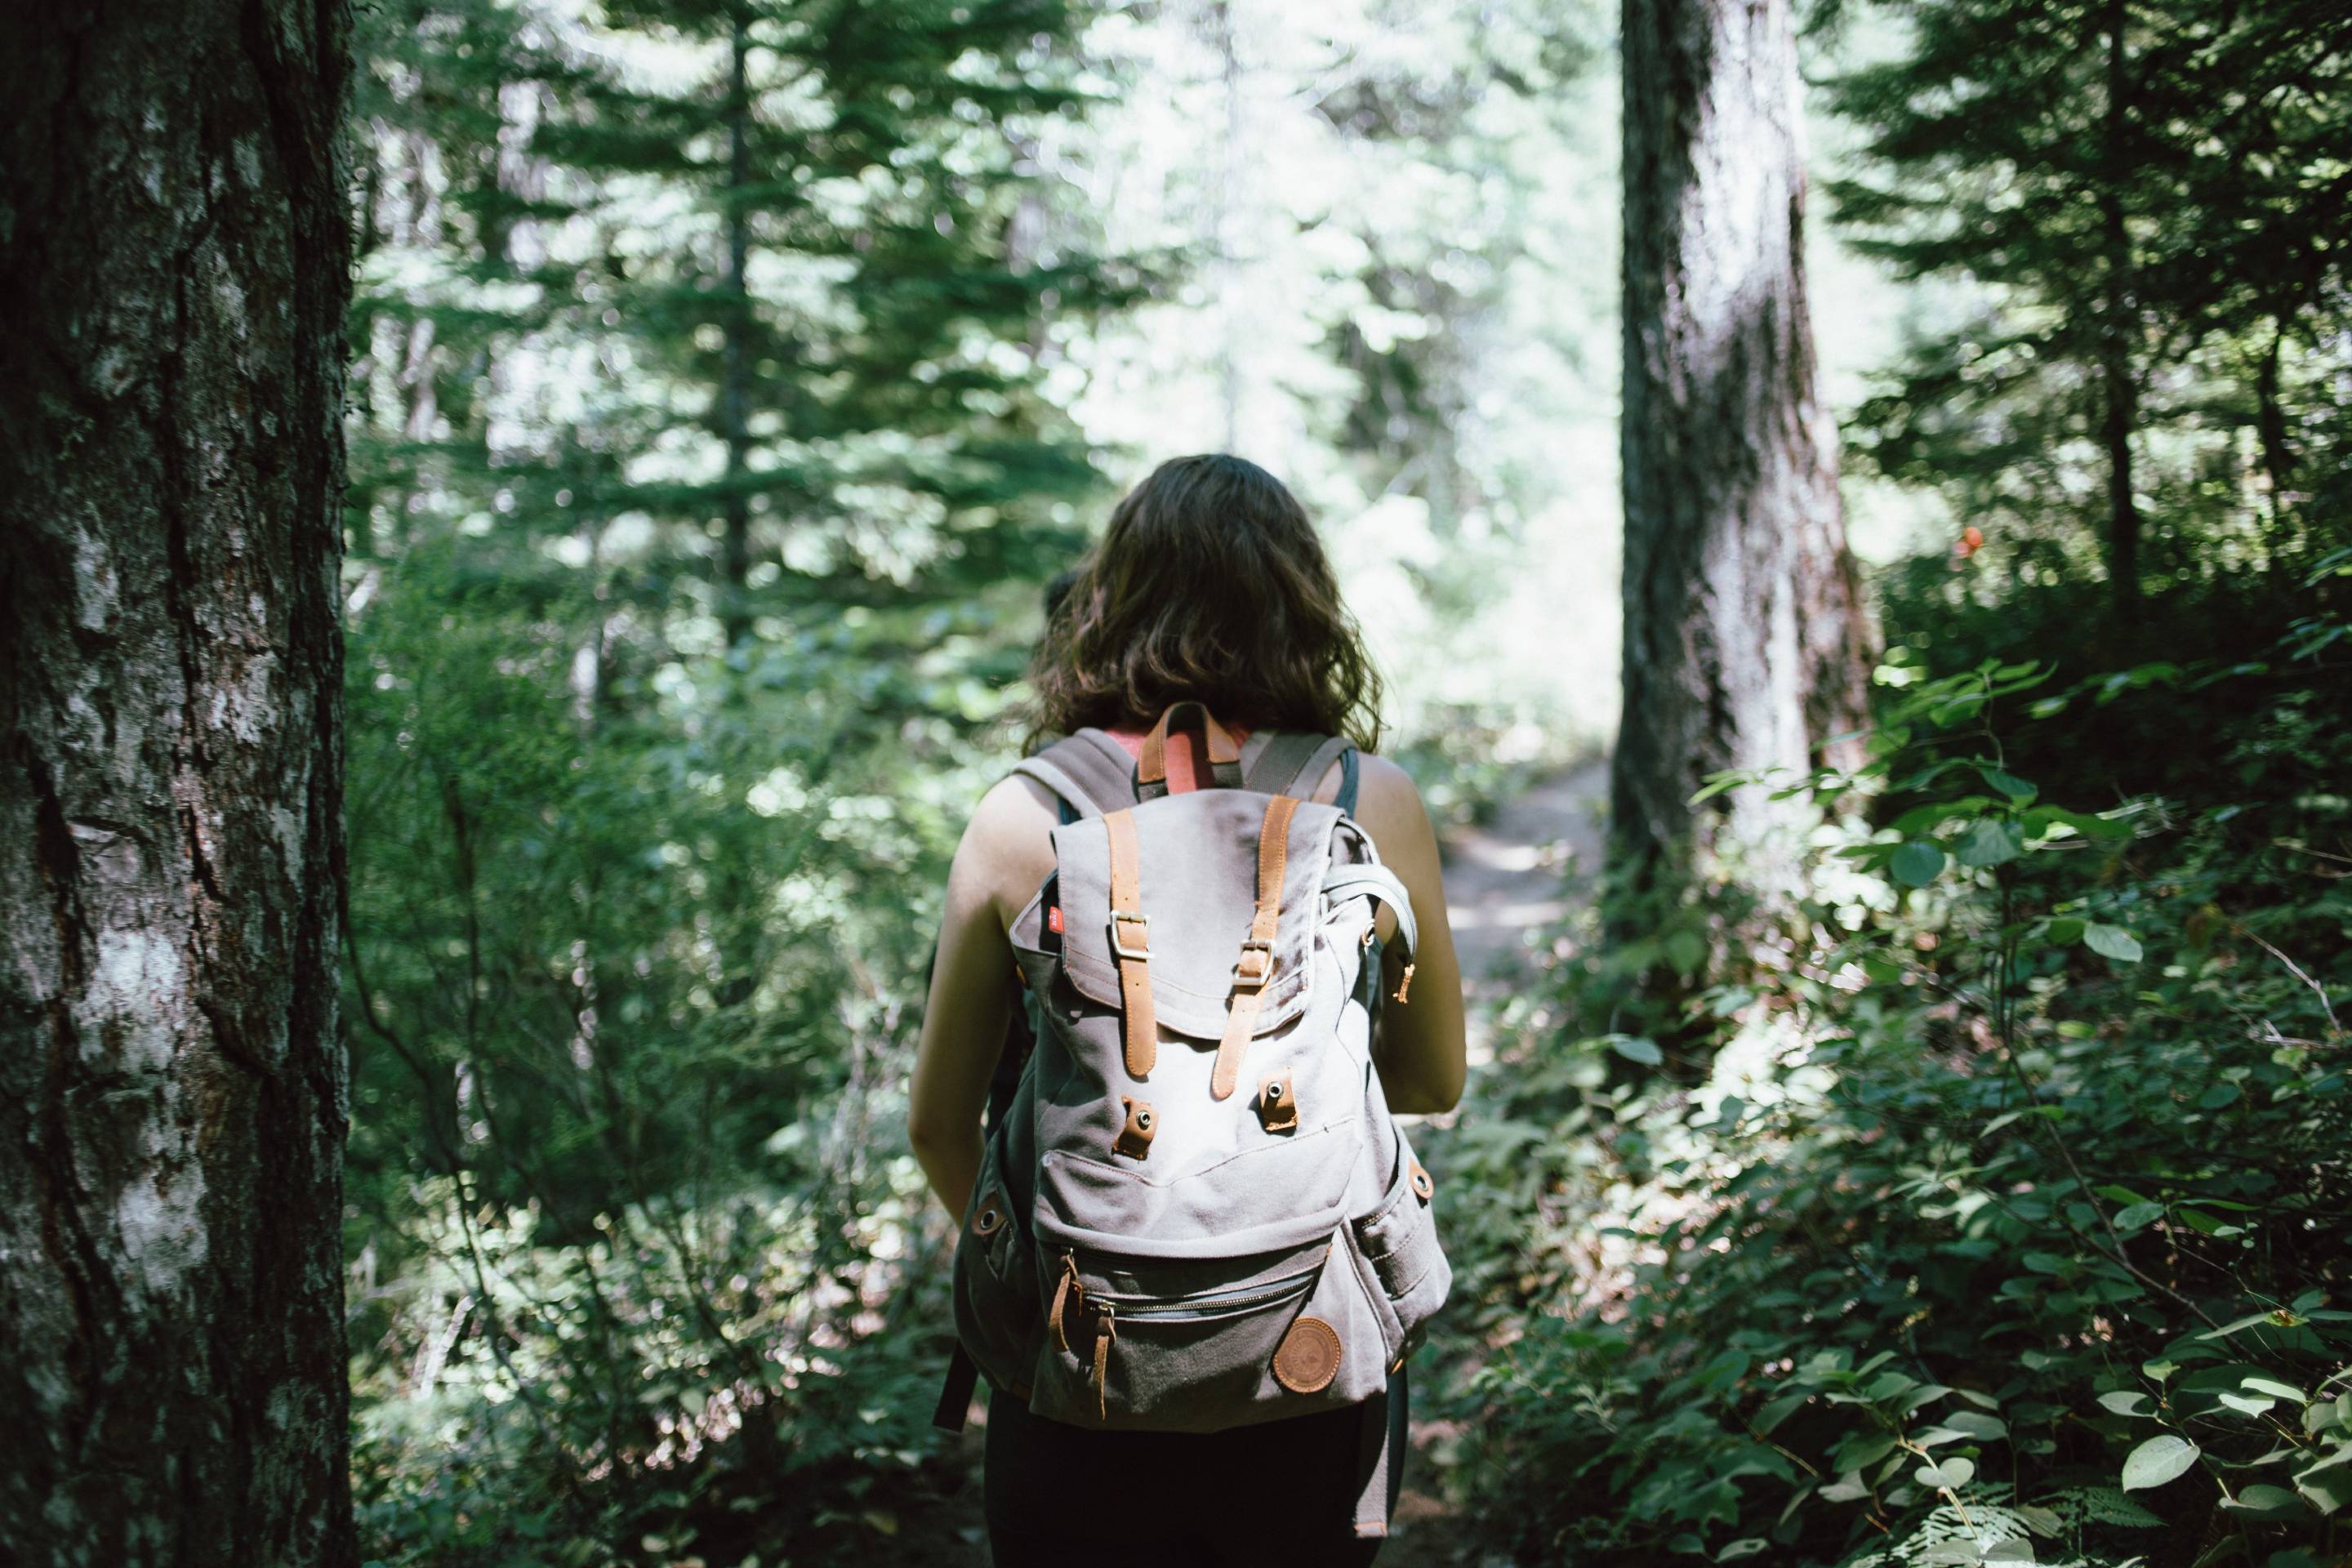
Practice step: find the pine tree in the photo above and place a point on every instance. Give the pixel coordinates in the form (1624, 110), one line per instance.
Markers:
(2134, 179)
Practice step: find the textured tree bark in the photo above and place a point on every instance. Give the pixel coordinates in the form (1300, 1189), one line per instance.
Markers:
(174, 256)
(1744, 640)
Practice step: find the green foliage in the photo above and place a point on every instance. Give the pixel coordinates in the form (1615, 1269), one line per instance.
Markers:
(663, 711)
(2133, 216)
(2002, 1220)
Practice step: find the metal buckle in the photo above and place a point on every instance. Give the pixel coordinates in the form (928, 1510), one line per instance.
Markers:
(1243, 978)
(1120, 947)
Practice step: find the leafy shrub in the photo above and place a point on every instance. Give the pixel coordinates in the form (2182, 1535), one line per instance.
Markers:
(2004, 1217)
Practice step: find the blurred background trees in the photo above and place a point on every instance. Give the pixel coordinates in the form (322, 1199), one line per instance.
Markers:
(729, 379)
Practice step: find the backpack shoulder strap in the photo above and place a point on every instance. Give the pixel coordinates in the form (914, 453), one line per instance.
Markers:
(1293, 761)
(1089, 770)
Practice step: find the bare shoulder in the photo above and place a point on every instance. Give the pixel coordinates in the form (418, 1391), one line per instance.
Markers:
(1007, 847)
(1388, 803)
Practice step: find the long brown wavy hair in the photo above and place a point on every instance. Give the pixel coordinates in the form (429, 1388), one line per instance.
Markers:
(1210, 585)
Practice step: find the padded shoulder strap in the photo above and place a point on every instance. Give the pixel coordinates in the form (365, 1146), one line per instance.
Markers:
(1293, 761)
(1089, 771)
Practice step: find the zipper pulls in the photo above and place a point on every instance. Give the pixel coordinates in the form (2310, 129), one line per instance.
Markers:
(1105, 1331)
(1067, 1286)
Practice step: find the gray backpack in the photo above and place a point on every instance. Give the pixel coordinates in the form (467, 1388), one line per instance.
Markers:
(1196, 1212)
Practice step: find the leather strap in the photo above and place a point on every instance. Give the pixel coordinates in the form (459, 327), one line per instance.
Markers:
(1256, 967)
(1130, 940)
(1225, 752)
(1105, 1331)
(955, 1395)
(1067, 1290)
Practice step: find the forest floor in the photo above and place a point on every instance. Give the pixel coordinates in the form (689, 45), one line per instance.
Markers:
(1519, 871)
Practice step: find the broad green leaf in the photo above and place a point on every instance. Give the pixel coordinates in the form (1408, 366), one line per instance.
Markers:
(1746, 1546)
(2264, 1499)
(2156, 1461)
(1917, 864)
(1635, 1049)
(1991, 844)
(2004, 783)
(2327, 1486)
(2127, 1402)
(2112, 941)
(1950, 1474)
(2226, 1329)
(2138, 1217)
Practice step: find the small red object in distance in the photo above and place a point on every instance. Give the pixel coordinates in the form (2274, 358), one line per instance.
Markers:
(1971, 540)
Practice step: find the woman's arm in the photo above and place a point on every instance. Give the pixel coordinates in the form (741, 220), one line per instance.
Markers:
(973, 984)
(1422, 1047)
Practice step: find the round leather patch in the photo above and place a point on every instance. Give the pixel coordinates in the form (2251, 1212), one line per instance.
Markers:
(1308, 1357)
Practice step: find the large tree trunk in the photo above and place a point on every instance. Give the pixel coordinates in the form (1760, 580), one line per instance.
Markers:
(174, 256)
(1745, 642)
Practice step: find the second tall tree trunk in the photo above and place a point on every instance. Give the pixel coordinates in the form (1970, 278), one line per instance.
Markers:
(1744, 639)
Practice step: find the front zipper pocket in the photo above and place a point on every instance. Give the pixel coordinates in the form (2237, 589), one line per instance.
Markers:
(1210, 1305)
(1192, 1345)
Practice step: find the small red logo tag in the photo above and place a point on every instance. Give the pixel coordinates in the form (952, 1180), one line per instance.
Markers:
(1054, 919)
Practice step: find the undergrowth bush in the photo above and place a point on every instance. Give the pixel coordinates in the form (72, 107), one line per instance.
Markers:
(1999, 1210)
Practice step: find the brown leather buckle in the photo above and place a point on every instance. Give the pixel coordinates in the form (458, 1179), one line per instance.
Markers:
(1141, 950)
(1422, 1187)
(1278, 1103)
(989, 1216)
(1134, 1140)
(1244, 975)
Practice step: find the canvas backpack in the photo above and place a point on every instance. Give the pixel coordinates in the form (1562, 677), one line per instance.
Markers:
(1196, 1212)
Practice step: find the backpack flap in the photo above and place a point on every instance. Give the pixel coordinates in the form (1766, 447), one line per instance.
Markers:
(1196, 859)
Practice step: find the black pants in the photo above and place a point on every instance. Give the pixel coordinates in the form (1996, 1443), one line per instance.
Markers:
(1283, 1492)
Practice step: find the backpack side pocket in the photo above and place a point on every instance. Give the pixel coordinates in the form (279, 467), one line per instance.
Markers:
(997, 1312)
(1397, 1243)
